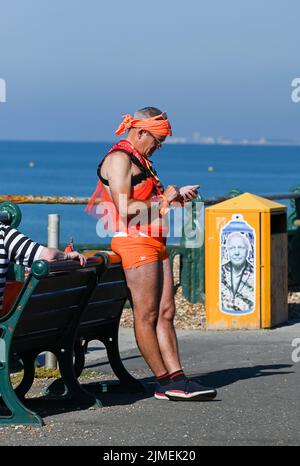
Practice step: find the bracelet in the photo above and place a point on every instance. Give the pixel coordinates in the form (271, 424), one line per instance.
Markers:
(67, 256)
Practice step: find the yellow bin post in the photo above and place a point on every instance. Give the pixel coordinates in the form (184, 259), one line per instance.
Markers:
(246, 271)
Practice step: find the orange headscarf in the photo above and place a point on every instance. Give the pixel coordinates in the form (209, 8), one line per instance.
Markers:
(157, 125)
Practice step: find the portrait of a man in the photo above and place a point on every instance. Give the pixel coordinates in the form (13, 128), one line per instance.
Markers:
(237, 280)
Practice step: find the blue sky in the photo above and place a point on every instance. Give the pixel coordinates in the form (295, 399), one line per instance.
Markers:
(72, 68)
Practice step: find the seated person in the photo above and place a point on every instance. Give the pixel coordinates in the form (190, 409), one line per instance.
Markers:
(19, 249)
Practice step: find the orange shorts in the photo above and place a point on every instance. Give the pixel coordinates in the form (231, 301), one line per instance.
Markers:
(141, 250)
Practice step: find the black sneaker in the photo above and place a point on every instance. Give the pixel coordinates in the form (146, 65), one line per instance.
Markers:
(160, 391)
(189, 390)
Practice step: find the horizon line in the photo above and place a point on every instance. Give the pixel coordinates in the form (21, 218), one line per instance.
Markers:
(84, 141)
(192, 143)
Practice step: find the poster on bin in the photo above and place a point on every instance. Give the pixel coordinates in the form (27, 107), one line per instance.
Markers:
(237, 267)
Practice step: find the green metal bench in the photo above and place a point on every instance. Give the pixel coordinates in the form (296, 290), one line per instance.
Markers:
(60, 308)
(100, 321)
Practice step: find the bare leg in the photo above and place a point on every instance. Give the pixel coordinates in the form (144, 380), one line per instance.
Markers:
(144, 285)
(165, 329)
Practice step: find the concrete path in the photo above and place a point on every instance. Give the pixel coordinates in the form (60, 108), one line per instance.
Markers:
(258, 399)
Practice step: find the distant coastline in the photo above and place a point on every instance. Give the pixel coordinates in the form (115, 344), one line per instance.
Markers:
(224, 141)
(205, 141)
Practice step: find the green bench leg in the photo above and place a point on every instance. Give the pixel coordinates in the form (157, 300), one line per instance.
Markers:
(58, 388)
(74, 389)
(112, 347)
(19, 414)
(24, 386)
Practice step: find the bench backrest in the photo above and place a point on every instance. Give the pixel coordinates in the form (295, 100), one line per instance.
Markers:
(107, 301)
(51, 303)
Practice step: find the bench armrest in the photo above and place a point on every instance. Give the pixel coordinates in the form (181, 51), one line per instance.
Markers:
(42, 268)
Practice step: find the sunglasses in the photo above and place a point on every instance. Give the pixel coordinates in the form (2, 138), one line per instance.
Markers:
(157, 141)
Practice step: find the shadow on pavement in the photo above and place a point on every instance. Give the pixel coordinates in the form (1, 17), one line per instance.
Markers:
(112, 393)
(105, 362)
(109, 393)
(229, 376)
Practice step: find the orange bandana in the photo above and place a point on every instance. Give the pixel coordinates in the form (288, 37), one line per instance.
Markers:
(157, 125)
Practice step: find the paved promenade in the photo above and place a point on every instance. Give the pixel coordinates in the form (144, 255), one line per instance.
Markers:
(258, 400)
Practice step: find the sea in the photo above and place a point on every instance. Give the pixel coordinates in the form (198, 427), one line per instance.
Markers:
(69, 169)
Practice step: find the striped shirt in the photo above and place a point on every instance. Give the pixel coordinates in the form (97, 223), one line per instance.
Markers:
(17, 248)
